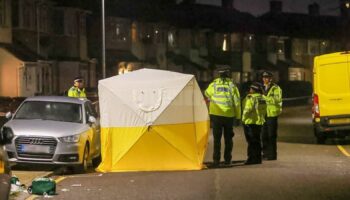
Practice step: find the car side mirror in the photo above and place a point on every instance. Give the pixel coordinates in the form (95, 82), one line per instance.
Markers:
(6, 135)
(8, 115)
(92, 120)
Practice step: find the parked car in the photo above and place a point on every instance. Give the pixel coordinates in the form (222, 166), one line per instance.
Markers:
(5, 172)
(54, 130)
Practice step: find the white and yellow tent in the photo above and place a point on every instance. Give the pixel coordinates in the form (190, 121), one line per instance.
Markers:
(152, 120)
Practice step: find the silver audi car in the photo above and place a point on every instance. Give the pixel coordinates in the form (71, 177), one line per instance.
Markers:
(54, 130)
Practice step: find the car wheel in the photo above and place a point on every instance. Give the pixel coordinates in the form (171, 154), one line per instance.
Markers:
(96, 161)
(83, 167)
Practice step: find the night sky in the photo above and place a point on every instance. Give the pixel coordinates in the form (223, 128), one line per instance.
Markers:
(258, 7)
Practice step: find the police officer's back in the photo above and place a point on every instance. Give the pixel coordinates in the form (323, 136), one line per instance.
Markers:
(224, 108)
(253, 118)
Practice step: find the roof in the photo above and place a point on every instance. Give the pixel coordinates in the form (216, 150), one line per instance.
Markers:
(62, 99)
(21, 52)
(211, 17)
(179, 59)
(302, 25)
(121, 55)
(233, 59)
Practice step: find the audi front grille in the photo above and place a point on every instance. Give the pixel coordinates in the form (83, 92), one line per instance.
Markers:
(48, 143)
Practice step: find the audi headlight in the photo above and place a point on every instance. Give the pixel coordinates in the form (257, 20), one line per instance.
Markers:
(70, 139)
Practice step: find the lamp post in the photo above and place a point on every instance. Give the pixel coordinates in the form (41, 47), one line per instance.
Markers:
(38, 5)
(103, 41)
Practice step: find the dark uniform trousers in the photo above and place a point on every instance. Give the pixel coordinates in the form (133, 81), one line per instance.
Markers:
(252, 134)
(222, 125)
(269, 138)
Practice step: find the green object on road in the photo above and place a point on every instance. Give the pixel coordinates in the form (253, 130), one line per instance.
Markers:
(42, 186)
(14, 180)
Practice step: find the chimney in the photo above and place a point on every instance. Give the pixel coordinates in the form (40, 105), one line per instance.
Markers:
(275, 7)
(314, 9)
(227, 4)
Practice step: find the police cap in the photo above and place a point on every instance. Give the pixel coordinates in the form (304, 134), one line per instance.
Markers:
(78, 79)
(224, 70)
(266, 74)
(256, 86)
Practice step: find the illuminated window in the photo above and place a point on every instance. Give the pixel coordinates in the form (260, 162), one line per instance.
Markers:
(171, 39)
(224, 44)
(249, 43)
(134, 32)
(236, 42)
(120, 32)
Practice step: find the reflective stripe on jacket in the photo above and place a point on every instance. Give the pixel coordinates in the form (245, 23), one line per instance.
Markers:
(274, 101)
(224, 98)
(76, 92)
(254, 109)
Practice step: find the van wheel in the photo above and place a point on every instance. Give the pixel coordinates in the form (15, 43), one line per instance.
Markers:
(321, 139)
(83, 167)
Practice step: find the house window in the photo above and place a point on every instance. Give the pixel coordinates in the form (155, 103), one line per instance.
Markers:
(324, 47)
(15, 13)
(3, 13)
(43, 14)
(82, 21)
(58, 22)
(280, 47)
(70, 22)
(159, 35)
(249, 43)
(313, 47)
(28, 11)
(225, 43)
(236, 42)
(120, 32)
(134, 32)
(147, 33)
(171, 39)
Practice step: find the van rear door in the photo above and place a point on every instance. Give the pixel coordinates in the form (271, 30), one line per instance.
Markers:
(332, 84)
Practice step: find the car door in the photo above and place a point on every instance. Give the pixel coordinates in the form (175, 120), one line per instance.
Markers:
(95, 129)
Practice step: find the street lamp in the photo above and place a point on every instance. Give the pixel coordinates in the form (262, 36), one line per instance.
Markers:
(103, 41)
(38, 5)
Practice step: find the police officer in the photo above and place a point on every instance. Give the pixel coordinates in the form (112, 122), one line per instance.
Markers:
(253, 118)
(77, 90)
(273, 97)
(224, 108)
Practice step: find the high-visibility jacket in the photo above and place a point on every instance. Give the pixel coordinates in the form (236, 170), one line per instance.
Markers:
(224, 98)
(273, 97)
(76, 92)
(254, 109)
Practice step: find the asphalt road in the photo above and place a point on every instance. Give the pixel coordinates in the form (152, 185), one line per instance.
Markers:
(304, 170)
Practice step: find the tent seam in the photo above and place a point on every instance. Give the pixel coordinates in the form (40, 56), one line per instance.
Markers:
(173, 146)
(155, 120)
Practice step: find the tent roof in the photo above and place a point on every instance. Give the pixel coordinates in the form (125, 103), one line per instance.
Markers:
(144, 76)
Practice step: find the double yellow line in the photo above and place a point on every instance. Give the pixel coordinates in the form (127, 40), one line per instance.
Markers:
(343, 150)
(59, 179)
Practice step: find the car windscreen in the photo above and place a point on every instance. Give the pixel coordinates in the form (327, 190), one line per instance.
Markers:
(55, 111)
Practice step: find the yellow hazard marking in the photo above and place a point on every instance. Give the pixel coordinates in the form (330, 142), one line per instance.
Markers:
(343, 150)
(57, 180)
